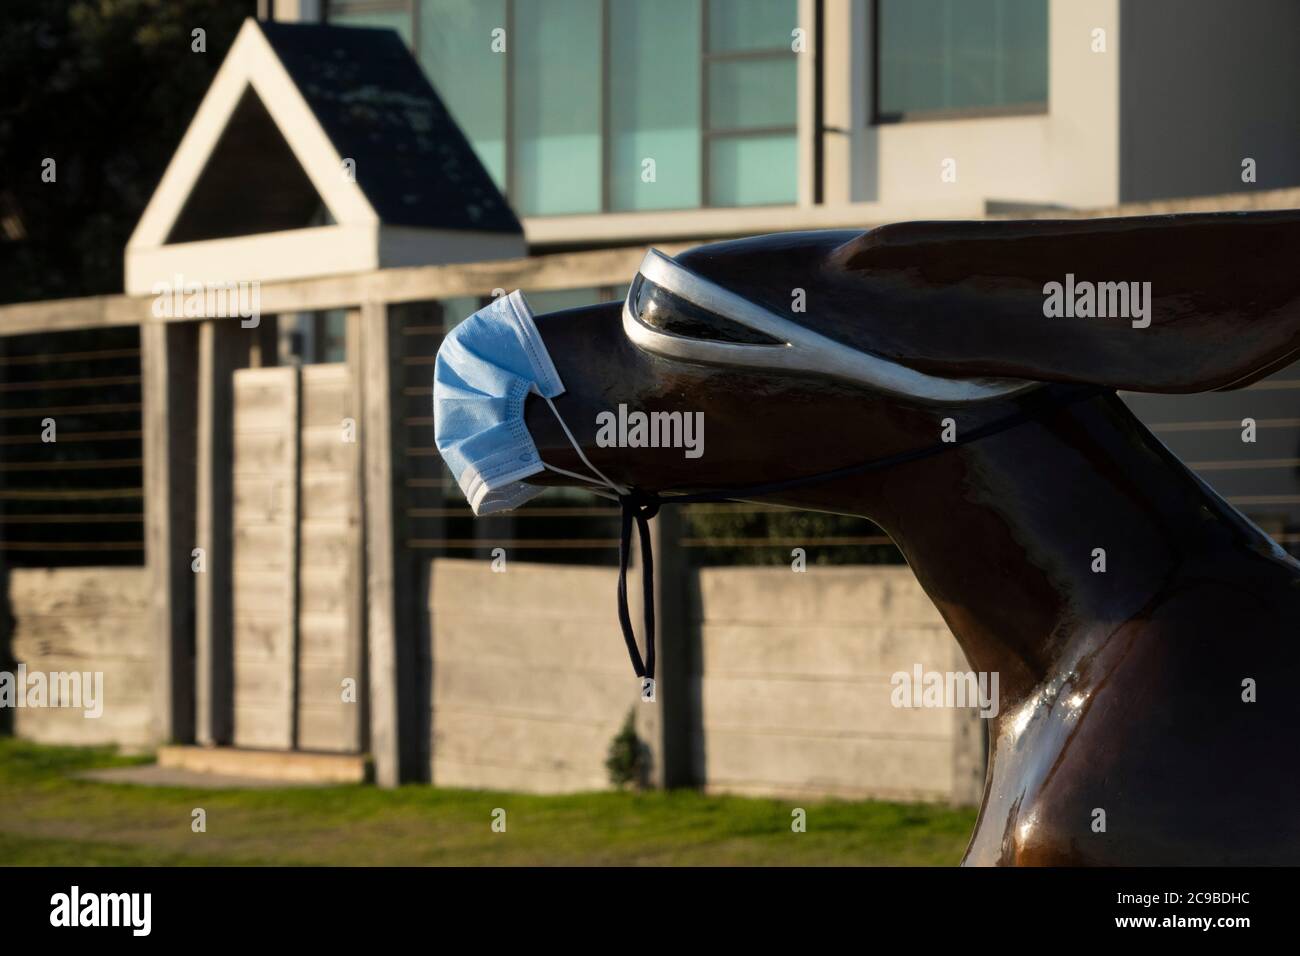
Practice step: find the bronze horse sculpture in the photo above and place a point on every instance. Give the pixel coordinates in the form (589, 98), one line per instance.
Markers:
(1124, 690)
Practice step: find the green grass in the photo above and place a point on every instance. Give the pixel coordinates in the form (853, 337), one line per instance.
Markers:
(49, 818)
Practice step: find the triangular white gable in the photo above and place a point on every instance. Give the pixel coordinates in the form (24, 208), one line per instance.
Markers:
(357, 241)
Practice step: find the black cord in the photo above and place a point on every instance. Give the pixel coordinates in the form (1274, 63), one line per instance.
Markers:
(638, 507)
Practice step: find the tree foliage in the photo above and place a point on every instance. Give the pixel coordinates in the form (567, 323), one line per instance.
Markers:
(106, 89)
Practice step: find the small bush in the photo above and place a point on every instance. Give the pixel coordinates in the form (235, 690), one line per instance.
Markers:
(628, 762)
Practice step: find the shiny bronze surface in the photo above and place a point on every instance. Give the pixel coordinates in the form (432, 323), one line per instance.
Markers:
(1121, 691)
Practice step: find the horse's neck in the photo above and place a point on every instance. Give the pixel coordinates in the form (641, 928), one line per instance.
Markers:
(1008, 535)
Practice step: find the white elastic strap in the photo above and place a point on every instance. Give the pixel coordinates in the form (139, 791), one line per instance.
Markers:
(619, 489)
(597, 488)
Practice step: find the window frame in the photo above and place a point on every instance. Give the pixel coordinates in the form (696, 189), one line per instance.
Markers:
(881, 118)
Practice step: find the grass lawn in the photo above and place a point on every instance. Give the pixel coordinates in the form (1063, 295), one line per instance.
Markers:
(46, 817)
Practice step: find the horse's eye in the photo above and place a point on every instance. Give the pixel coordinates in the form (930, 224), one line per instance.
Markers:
(660, 309)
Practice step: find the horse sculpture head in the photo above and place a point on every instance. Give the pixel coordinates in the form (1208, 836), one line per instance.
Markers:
(977, 364)
(916, 323)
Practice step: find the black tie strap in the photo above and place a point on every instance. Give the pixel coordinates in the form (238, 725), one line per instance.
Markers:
(641, 506)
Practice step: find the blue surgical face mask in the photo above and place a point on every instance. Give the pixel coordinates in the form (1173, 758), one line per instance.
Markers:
(484, 372)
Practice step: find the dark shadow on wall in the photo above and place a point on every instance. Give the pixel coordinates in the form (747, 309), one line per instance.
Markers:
(694, 772)
(424, 674)
(7, 662)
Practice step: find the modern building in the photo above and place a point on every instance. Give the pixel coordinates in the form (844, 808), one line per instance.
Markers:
(236, 522)
(613, 122)
(769, 115)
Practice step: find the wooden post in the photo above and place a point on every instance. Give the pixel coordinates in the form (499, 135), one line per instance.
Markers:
(293, 417)
(389, 591)
(222, 349)
(356, 663)
(168, 357)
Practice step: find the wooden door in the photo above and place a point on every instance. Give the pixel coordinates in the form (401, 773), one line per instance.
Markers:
(265, 515)
(331, 680)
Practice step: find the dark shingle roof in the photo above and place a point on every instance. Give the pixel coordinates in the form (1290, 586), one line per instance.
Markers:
(413, 163)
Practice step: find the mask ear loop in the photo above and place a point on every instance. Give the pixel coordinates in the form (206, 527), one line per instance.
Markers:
(604, 479)
(636, 510)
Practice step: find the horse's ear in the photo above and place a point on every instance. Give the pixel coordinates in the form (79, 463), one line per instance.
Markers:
(1180, 303)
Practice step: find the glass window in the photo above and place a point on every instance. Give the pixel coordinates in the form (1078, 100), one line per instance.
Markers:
(554, 300)
(744, 94)
(751, 151)
(557, 114)
(752, 170)
(456, 310)
(588, 91)
(939, 56)
(332, 336)
(654, 89)
(736, 25)
(399, 20)
(1023, 35)
(456, 51)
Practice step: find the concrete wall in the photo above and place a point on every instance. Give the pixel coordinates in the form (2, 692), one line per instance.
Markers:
(1205, 85)
(84, 619)
(789, 688)
(794, 687)
(529, 677)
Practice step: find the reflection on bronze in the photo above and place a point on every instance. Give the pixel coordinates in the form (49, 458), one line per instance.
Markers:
(1121, 691)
